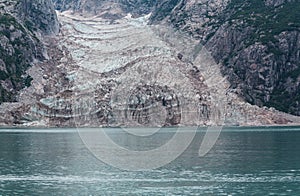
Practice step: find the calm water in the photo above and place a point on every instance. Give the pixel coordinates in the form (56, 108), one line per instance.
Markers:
(249, 161)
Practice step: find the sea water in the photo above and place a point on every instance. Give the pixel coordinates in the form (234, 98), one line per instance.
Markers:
(243, 161)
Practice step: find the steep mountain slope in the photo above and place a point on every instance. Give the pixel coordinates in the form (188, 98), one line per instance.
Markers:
(256, 41)
(21, 25)
(108, 67)
(110, 9)
(128, 73)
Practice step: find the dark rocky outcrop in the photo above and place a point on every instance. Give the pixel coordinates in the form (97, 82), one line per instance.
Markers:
(257, 42)
(39, 15)
(22, 25)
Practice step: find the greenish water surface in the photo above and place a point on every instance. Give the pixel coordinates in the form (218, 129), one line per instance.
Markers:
(244, 161)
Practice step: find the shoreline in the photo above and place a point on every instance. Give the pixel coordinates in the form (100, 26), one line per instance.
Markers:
(120, 127)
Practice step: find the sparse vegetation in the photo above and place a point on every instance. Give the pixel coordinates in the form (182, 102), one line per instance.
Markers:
(266, 20)
(16, 61)
(264, 24)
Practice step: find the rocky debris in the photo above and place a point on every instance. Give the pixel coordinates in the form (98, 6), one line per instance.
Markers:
(149, 105)
(108, 9)
(50, 95)
(68, 91)
(130, 93)
(10, 114)
(119, 71)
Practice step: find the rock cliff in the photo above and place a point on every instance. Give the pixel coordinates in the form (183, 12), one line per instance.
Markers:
(22, 25)
(257, 43)
(188, 63)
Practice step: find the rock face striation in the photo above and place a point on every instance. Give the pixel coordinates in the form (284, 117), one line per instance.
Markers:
(22, 25)
(189, 62)
(257, 43)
